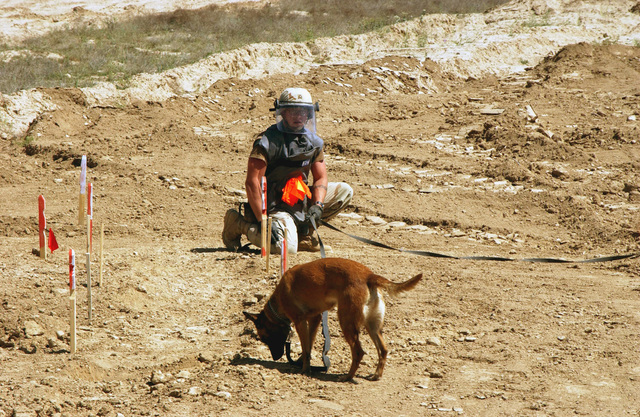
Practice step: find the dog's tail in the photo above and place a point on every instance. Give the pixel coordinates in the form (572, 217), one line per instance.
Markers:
(393, 288)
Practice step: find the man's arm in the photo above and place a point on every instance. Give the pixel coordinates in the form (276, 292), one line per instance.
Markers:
(320, 181)
(256, 169)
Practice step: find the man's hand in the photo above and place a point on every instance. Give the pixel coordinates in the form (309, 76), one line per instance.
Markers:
(315, 213)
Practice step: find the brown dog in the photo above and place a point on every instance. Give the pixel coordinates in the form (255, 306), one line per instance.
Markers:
(306, 290)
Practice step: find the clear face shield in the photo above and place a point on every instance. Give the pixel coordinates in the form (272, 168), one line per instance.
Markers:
(296, 119)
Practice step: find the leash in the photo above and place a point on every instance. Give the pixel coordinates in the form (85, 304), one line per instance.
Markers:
(325, 314)
(482, 258)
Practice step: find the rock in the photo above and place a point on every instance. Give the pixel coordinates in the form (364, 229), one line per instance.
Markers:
(104, 410)
(158, 377)
(184, 374)
(32, 329)
(195, 391)
(206, 357)
(471, 131)
(176, 393)
(23, 412)
(223, 394)
(418, 227)
(434, 341)
(330, 405)
(436, 374)
(376, 220)
(491, 111)
(50, 381)
(560, 173)
(397, 224)
(351, 216)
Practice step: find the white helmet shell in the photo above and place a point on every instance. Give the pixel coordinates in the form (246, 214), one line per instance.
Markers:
(295, 97)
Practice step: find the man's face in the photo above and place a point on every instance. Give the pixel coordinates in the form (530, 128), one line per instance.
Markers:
(295, 117)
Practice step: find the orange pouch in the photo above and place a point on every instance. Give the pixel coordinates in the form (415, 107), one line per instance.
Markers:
(294, 190)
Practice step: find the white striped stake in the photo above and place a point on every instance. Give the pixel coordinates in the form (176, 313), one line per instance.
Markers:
(263, 223)
(88, 264)
(269, 222)
(90, 217)
(72, 300)
(83, 190)
(42, 228)
(89, 242)
(283, 254)
(101, 252)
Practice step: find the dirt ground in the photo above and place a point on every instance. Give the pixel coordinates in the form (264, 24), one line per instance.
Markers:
(443, 157)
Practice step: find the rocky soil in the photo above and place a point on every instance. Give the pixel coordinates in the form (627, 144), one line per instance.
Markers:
(512, 133)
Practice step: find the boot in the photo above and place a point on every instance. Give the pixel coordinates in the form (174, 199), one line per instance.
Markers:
(308, 243)
(234, 227)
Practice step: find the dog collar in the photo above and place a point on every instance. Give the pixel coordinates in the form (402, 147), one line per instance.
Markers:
(282, 320)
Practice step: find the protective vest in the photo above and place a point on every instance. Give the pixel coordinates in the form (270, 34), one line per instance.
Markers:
(288, 155)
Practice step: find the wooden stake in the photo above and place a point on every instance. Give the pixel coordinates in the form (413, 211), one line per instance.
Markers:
(88, 264)
(72, 300)
(72, 321)
(263, 223)
(269, 222)
(81, 208)
(101, 252)
(283, 254)
(89, 285)
(90, 216)
(42, 227)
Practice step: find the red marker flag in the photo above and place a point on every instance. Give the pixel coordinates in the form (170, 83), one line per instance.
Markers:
(53, 243)
(264, 196)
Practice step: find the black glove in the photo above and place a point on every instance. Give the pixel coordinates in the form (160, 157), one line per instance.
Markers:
(315, 213)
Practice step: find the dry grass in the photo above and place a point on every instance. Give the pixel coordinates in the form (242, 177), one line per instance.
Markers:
(120, 49)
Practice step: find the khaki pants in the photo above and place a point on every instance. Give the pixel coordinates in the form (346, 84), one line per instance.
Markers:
(338, 197)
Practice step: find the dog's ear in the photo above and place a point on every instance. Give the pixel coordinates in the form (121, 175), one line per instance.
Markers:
(251, 316)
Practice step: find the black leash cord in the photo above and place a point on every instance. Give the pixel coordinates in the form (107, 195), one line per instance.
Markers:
(483, 258)
(325, 314)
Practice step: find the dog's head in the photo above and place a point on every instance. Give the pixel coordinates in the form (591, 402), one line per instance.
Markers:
(271, 334)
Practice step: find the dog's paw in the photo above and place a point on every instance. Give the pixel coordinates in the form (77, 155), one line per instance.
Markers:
(345, 378)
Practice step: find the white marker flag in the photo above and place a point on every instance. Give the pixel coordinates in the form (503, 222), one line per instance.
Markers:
(83, 175)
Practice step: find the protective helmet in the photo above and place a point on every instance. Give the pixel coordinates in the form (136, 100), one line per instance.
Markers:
(297, 103)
